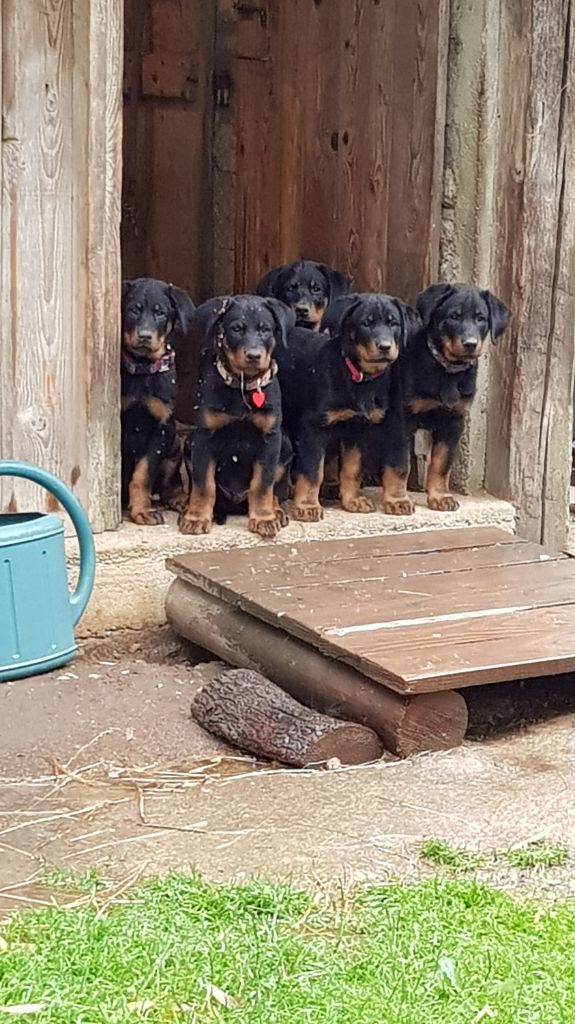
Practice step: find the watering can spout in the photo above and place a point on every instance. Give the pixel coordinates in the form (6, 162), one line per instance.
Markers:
(33, 585)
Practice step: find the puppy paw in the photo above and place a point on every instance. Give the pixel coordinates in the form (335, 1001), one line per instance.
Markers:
(359, 504)
(149, 517)
(282, 517)
(442, 503)
(265, 527)
(308, 513)
(176, 502)
(193, 525)
(397, 507)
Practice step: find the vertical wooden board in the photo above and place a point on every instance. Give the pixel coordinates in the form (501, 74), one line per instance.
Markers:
(44, 367)
(103, 177)
(417, 146)
(534, 269)
(166, 229)
(258, 161)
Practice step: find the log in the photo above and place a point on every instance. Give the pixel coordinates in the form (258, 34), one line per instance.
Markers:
(249, 711)
(406, 725)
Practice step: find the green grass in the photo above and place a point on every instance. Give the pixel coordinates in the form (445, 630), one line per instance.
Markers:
(441, 854)
(179, 950)
(538, 854)
(68, 880)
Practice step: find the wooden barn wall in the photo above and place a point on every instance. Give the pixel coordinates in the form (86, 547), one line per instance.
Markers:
(59, 251)
(338, 114)
(533, 267)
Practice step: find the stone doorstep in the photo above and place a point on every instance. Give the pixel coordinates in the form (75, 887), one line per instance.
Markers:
(132, 579)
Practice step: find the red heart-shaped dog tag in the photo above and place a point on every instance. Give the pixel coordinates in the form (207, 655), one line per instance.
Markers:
(258, 399)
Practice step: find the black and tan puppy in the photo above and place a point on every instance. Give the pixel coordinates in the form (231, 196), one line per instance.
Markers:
(353, 407)
(239, 405)
(442, 372)
(151, 455)
(234, 471)
(307, 288)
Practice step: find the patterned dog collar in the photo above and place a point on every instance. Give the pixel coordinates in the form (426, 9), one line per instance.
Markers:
(449, 367)
(144, 368)
(252, 388)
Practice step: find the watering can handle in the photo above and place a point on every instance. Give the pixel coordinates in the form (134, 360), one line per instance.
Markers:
(81, 595)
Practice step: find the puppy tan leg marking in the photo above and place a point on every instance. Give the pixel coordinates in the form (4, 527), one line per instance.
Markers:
(350, 483)
(307, 508)
(139, 497)
(262, 517)
(437, 486)
(199, 514)
(395, 501)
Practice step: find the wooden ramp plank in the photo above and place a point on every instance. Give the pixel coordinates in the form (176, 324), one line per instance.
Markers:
(275, 556)
(468, 652)
(278, 576)
(438, 615)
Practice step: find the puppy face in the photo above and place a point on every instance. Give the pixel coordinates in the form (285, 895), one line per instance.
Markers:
(371, 330)
(459, 319)
(150, 311)
(245, 336)
(306, 287)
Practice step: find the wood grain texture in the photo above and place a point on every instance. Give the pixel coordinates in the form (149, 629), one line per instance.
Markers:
(339, 114)
(406, 725)
(103, 174)
(43, 366)
(415, 622)
(533, 237)
(248, 710)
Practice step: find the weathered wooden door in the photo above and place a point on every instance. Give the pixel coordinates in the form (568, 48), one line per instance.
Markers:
(337, 115)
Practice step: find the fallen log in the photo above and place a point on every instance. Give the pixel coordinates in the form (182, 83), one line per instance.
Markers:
(251, 712)
(406, 725)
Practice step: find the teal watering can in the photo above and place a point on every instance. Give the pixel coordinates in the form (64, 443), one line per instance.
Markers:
(37, 613)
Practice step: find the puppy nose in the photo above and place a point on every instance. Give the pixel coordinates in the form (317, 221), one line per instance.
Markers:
(384, 344)
(470, 343)
(253, 355)
(144, 337)
(302, 308)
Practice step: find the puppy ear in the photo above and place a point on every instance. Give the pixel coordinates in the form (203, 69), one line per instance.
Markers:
(337, 313)
(207, 316)
(410, 322)
(126, 285)
(428, 301)
(284, 318)
(182, 306)
(499, 315)
(270, 283)
(338, 284)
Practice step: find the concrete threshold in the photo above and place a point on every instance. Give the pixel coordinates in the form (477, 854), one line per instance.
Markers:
(132, 580)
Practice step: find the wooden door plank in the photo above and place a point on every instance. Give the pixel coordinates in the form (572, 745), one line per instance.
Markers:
(263, 574)
(468, 652)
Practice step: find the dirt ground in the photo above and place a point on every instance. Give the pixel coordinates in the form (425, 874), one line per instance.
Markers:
(102, 767)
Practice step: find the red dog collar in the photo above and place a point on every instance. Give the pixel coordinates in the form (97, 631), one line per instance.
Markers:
(357, 376)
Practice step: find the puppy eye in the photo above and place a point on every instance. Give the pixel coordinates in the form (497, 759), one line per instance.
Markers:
(158, 311)
(391, 321)
(455, 314)
(315, 288)
(237, 328)
(136, 308)
(291, 287)
(480, 318)
(264, 328)
(368, 322)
